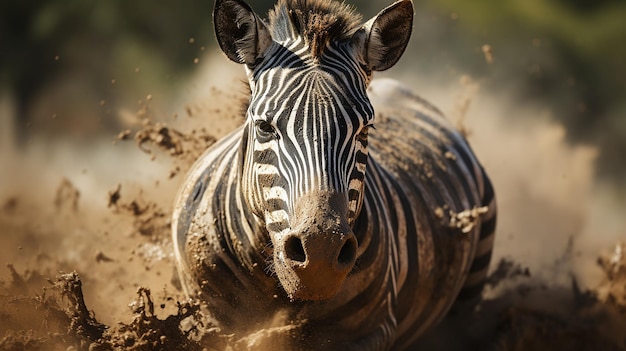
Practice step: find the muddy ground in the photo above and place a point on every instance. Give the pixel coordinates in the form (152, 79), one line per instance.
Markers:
(84, 236)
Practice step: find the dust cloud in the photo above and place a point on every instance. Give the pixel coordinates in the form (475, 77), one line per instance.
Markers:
(102, 209)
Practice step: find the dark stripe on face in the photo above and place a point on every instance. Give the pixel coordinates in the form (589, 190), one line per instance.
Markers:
(353, 194)
(277, 226)
(269, 180)
(357, 175)
(275, 205)
(361, 157)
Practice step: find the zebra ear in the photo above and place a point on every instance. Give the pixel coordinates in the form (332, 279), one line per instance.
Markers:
(241, 34)
(382, 40)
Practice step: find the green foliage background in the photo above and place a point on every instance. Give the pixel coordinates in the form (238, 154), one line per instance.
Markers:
(85, 55)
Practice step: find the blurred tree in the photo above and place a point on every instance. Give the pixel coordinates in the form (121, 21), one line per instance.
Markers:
(93, 43)
(587, 6)
(568, 55)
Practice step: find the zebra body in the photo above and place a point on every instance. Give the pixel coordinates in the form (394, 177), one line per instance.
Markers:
(373, 245)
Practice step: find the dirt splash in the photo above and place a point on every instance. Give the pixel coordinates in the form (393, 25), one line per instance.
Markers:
(111, 225)
(54, 316)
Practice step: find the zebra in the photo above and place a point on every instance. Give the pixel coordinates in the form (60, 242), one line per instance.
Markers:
(348, 207)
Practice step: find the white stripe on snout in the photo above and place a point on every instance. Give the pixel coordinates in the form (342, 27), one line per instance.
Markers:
(270, 145)
(361, 167)
(275, 192)
(352, 205)
(276, 216)
(265, 169)
(355, 184)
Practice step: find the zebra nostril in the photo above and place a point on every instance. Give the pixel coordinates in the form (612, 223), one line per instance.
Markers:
(348, 252)
(294, 249)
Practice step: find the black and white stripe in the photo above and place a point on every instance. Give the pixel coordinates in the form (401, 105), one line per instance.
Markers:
(400, 190)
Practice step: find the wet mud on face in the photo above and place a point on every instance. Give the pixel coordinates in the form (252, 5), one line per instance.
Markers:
(88, 244)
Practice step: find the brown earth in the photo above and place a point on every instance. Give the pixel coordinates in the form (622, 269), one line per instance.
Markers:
(85, 236)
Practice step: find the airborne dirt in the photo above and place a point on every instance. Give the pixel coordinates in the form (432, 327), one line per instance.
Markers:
(90, 266)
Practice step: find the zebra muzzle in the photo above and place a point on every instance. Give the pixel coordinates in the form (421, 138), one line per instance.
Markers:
(315, 257)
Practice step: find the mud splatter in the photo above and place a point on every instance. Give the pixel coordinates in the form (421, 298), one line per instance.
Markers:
(185, 147)
(612, 289)
(65, 321)
(115, 234)
(465, 221)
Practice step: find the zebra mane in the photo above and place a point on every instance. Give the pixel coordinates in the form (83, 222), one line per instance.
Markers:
(319, 22)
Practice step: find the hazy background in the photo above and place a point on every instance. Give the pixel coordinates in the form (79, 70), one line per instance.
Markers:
(538, 83)
(74, 64)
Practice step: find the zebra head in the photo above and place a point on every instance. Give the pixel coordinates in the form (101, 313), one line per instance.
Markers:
(304, 148)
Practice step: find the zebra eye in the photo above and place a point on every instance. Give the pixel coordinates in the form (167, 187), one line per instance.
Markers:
(265, 128)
